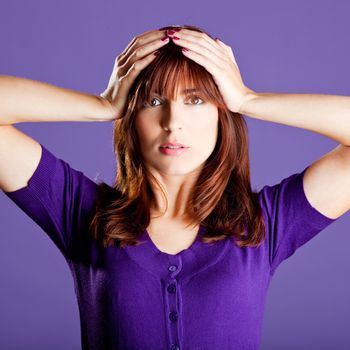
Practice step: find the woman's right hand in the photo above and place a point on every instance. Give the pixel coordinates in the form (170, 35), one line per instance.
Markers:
(136, 56)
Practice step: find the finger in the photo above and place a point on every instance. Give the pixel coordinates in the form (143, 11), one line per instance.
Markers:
(211, 58)
(147, 47)
(141, 52)
(128, 79)
(209, 64)
(228, 49)
(202, 39)
(141, 40)
(137, 37)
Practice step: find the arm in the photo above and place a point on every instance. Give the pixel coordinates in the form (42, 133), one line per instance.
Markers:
(327, 180)
(25, 100)
(328, 115)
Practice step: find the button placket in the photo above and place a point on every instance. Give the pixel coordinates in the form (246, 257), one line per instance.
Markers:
(173, 316)
(171, 288)
(171, 294)
(172, 268)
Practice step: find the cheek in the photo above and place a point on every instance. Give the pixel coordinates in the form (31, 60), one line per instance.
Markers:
(212, 131)
(143, 129)
(204, 136)
(207, 126)
(208, 119)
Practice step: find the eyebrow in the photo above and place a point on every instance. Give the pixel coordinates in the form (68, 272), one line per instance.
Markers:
(184, 91)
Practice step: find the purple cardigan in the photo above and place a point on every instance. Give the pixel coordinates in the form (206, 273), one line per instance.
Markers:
(205, 297)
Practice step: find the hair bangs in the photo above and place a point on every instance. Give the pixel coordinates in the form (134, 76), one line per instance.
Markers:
(170, 71)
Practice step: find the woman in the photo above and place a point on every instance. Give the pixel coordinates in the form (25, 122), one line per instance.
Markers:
(179, 252)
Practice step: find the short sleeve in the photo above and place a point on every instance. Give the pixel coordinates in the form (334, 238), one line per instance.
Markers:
(291, 219)
(60, 200)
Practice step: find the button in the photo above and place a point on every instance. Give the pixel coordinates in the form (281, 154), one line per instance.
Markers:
(173, 316)
(171, 288)
(175, 347)
(172, 268)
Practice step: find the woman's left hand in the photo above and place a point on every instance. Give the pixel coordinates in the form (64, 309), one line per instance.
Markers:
(218, 59)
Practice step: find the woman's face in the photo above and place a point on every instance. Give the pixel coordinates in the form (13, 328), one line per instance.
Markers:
(190, 121)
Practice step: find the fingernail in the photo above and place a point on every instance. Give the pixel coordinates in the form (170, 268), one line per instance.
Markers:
(175, 37)
(165, 39)
(170, 32)
(184, 49)
(177, 29)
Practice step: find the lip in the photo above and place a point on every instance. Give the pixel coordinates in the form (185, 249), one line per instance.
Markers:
(173, 144)
(174, 151)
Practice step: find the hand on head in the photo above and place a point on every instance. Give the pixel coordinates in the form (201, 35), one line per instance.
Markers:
(218, 59)
(215, 56)
(136, 56)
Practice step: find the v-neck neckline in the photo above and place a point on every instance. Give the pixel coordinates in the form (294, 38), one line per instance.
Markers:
(182, 252)
(185, 263)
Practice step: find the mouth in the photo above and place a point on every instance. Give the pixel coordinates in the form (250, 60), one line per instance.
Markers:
(173, 145)
(173, 151)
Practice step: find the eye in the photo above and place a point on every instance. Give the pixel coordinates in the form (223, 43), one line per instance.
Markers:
(150, 104)
(196, 98)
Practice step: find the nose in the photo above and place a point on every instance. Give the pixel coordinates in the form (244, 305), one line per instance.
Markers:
(172, 118)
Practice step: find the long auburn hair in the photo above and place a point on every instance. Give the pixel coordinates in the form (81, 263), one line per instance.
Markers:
(222, 200)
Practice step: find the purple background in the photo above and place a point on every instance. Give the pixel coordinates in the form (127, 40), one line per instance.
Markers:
(280, 46)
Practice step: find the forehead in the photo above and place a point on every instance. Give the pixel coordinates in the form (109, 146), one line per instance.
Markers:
(181, 91)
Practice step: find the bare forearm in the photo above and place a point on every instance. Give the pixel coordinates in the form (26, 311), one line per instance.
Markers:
(328, 115)
(24, 100)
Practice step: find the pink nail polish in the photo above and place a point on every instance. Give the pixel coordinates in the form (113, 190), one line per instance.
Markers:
(165, 39)
(175, 37)
(184, 49)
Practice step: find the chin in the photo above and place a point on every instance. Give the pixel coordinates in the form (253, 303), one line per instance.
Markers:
(180, 169)
(175, 165)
